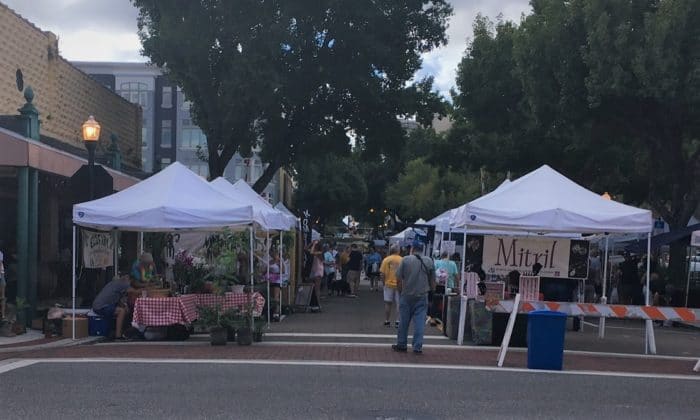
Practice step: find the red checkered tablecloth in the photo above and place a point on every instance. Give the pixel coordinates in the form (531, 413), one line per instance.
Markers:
(231, 300)
(157, 312)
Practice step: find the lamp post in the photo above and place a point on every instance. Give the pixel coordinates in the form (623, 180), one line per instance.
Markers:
(91, 134)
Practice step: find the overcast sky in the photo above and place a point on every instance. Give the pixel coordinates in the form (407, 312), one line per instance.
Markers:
(105, 30)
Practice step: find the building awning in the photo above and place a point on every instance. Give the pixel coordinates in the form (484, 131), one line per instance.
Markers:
(20, 151)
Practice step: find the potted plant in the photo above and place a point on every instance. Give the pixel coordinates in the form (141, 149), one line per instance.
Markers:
(213, 318)
(233, 321)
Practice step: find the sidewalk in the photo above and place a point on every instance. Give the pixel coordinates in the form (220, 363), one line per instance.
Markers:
(351, 330)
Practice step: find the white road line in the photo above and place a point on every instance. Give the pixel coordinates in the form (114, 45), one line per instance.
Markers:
(13, 364)
(690, 376)
(348, 335)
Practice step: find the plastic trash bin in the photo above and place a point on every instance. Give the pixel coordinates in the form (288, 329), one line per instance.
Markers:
(545, 340)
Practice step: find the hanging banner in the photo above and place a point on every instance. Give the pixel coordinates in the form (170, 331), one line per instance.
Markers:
(499, 255)
(306, 226)
(98, 249)
(695, 238)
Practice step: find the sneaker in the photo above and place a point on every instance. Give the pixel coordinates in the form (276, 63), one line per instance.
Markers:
(398, 348)
(351, 296)
(417, 351)
(387, 323)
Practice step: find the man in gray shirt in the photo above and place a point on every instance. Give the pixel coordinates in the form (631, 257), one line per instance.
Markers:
(108, 302)
(415, 278)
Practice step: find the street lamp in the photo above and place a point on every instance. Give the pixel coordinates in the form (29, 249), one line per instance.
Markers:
(91, 134)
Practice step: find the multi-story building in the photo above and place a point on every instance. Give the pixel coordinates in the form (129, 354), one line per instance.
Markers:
(41, 149)
(169, 133)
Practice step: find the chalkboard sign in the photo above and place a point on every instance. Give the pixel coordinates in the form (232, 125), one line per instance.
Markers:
(303, 297)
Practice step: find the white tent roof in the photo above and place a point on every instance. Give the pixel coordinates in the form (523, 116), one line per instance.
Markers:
(174, 198)
(403, 233)
(546, 201)
(263, 212)
(281, 207)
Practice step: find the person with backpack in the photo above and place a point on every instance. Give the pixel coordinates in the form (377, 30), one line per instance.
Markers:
(415, 279)
(372, 264)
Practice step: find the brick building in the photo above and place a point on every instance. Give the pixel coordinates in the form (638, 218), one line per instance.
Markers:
(41, 148)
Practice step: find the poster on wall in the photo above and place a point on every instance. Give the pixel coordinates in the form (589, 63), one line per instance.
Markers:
(98, 249)
(499, 255)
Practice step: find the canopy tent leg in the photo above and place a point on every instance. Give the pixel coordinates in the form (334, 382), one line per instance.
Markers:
(73, 276)
(604, 298)
(267, 257)
(282, 271)
(252, 283)
(462, 297)
(115, 256)
(687, 282)
(650, 340)
(140, 243)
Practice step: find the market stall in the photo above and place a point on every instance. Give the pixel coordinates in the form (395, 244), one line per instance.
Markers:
(175, 199)
(267, 218)
(545, 201)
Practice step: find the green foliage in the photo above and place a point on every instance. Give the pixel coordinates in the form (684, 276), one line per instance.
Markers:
(605, 91)
(298, 74)
(330, 186)
(215, 316)
(422, 191)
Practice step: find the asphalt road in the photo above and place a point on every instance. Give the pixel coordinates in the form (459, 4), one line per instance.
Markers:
(177, 391)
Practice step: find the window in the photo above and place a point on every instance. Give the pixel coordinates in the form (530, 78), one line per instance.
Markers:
(164, 162)
(167, 99)
(185, 105)
(134, 92)
(166, 133)
(200, 169)
(192, 137)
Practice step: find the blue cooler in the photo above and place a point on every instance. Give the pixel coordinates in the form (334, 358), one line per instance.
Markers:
(545, 340)
(99, 325)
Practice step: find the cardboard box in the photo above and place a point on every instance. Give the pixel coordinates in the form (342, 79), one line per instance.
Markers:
(81, 327)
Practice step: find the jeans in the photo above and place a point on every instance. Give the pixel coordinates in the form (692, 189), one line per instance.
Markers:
(412, 308)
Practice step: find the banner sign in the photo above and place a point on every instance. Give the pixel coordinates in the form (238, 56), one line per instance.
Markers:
(499, 255)
(98, 249)
(306, 226)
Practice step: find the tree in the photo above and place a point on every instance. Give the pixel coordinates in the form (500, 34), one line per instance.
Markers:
(606, 91)
(329, 187)
(422, 191)
(294, 77)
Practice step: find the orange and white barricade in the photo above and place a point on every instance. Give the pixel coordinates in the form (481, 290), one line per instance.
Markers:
(655, 313)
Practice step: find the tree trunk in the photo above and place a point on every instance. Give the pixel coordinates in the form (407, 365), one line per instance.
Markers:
(266, 177)
(677, 265)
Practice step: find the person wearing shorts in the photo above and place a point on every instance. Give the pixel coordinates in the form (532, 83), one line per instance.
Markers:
(387, 273)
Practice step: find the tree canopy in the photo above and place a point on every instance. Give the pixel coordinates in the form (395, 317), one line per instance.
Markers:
(294, 77)
(606, 91)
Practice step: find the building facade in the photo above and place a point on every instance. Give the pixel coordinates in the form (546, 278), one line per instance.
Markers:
(44, 100)
(169, 133)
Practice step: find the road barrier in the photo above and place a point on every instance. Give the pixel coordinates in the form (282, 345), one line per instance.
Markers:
(654, 313)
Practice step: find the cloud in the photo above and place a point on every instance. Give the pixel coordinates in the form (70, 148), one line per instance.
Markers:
(442, 62)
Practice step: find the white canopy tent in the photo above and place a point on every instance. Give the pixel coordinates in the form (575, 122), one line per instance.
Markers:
(401, 235)
(264, 214)
(546, 201)
(173, 199)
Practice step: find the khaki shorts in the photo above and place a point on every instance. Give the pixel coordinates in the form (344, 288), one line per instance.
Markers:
(391, 295)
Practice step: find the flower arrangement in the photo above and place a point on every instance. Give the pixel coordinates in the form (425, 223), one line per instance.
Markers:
(189, 270)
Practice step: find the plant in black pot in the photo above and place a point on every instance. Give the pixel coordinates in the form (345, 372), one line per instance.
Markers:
(214, 319)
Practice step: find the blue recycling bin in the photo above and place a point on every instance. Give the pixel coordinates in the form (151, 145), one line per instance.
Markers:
(545, 340)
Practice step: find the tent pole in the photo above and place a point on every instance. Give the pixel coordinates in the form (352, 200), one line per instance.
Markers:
(687, 282)
(115, 255)
(140, 243)
(650, 342)
(462, 297)
(267, 257)
(282, 270)
(73, 275)
(604, 298)
(252, 283)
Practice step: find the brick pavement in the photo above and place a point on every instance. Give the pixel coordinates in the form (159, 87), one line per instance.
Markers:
(433, 355)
